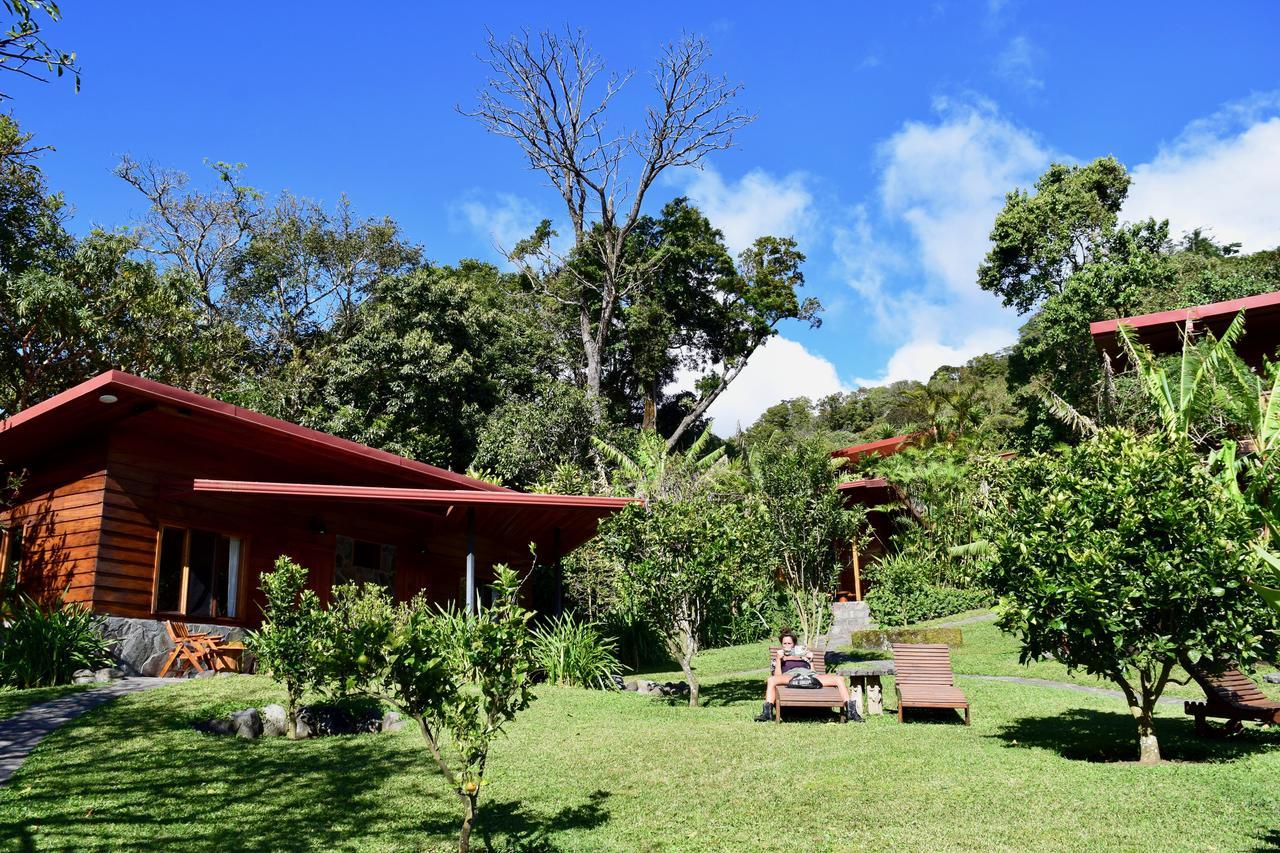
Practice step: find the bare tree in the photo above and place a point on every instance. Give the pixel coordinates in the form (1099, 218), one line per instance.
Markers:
(546, 93)
(199, 231)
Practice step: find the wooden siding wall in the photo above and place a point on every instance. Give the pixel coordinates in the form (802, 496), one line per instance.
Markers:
(59, 508)
(147, 484)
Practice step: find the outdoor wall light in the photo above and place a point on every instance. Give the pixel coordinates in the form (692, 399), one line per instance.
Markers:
(108, 398)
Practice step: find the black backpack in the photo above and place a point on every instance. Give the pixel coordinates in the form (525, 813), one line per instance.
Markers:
(805, 681)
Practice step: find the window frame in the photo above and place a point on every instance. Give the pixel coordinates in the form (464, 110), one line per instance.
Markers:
(186, 529)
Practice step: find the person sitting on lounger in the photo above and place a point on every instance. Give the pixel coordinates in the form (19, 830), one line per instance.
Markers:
(792, 660)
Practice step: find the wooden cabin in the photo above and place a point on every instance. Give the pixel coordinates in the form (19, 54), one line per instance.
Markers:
(146, 502)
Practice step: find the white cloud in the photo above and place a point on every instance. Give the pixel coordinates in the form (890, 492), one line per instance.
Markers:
(780, 369)
(919, 358)
(943, 182)
(1221, 173)
(504, 221)
(1018, 62)
(948, 180)
(755, 205)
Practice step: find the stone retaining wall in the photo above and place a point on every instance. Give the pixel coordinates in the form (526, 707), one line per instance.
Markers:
(141, 646)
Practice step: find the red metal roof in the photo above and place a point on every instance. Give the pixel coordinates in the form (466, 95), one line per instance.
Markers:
(883, 447)
(78, 409)
(1162, 331)
(434, 496)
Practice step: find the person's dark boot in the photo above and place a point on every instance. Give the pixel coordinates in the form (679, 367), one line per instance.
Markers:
(766, 714)
(851, 714)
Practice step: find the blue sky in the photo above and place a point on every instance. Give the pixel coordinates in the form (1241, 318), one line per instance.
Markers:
(887, 135)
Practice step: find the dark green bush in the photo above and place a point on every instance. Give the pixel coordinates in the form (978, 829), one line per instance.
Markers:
(41, 646)
(904, 592)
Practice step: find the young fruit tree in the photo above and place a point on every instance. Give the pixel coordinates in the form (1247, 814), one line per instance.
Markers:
(680, 562)
(806, 524)
(285, 644)
(1122, 557)
(460, 676)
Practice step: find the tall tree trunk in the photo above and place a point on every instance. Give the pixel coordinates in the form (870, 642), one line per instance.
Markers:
(650, 405)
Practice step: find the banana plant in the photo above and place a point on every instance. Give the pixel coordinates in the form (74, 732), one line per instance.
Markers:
(653, 472)
(1178, 393)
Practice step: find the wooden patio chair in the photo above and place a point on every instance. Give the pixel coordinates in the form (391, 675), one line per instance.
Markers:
(191, 650)
(924, 679)
(796, 697)
(1232, 696)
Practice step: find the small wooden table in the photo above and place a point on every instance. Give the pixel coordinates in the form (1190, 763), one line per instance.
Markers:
(230, 656)
(864, 677)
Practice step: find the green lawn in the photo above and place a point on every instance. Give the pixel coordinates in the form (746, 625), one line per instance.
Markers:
(13, 701)
(1041, 768)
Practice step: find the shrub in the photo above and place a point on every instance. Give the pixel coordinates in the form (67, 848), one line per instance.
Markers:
(355, 628)
(570, 653)
(883, 640)
(41, 646)
(286, 643)
(905, 592)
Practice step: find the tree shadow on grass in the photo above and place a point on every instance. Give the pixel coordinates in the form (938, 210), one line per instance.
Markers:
(515, 828)
(1085, 734)
(1270, 841)
(732, 691)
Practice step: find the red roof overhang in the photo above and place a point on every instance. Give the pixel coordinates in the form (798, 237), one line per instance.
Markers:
(515, 517)
(431, 496)
(883, 447)
(1162, 331)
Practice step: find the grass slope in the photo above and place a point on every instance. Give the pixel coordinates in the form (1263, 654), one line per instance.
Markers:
(1041, 768)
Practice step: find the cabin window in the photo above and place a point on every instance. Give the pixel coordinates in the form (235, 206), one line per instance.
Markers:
(11, 557)
(197, 572)
(357, 561)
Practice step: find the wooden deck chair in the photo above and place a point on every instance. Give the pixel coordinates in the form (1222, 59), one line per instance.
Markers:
(1232, 696)
(795, 697)
(196, 651)
(924, 679)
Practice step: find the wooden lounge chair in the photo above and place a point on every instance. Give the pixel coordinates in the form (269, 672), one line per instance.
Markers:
(796, 697)
(191, 651)
(1232, 696)
(923, 678)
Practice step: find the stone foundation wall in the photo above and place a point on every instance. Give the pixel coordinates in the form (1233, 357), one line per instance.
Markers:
(141, 646)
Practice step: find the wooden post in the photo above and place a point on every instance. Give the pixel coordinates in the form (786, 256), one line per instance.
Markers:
(471, 559)
(857, 573)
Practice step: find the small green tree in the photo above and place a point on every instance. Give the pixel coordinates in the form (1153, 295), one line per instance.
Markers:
(679, 563)
(460, 676)
(806, 523)
(1122, 557)
(286, 642)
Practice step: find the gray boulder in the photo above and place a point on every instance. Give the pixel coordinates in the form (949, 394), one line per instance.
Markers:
(247, 723)
(109, 674)
(631, 686)
(1272, 678)
(392, 722)
(275, 722)
(84, 676)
